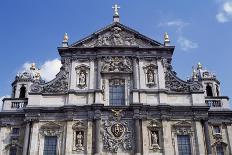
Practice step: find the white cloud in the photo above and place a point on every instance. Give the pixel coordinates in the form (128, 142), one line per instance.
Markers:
(48, 69)
(225, 12)
(179, 24)
(186, 44)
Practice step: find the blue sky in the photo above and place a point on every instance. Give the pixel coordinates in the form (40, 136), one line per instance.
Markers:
(201, 31)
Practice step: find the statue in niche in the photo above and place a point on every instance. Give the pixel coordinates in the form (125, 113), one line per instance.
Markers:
(82, 78)
(150, 77)
(154, 140)
(79, 140)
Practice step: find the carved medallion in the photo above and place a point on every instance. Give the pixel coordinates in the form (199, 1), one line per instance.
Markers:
(117, 129)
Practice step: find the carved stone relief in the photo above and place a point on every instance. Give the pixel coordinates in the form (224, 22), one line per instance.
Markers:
(116, 37)
(51, 129)
(173, 83)
(117, 65)
(182, 128)
(57, 85)
(117, 134)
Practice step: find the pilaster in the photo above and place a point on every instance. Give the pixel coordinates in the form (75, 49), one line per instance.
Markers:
(207, 138)
(167, 138)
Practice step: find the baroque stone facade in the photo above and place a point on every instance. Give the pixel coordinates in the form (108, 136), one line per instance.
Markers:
(116, 93)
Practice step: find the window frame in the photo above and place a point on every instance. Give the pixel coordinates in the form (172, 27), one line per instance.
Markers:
(118, 83)
(186, 144)
(46, 145)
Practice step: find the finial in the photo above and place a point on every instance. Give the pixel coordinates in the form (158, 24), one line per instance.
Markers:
(199, 66)
(194, 74)
(116, 14)
(65, 40)
(166, 39)
(32, 66)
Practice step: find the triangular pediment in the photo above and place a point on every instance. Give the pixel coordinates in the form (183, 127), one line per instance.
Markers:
(116, 35)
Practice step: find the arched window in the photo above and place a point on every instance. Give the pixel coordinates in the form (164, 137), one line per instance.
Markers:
(117, 92)
(22, 92)
(209, 91)
(13, 93)
(217, 90)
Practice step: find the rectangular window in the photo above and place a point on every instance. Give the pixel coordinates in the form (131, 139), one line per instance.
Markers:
(13, 151)
(184, 146)
(220, 150)
(217, 129)
(50, 145)
(117, 93)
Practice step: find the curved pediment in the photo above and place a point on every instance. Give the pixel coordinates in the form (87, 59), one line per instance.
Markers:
(116, 35)
(175, 84)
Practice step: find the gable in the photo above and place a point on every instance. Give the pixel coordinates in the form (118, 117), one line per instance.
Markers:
(117, 35)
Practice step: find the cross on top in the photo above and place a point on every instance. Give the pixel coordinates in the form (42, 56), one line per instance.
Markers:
(116, 8)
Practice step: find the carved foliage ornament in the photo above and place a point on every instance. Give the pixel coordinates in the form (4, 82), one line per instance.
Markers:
(117, 64)
(173, 83)
(57, 85)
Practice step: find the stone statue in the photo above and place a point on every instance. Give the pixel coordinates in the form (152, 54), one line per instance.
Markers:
(154, 139)
(82, 78)
(117, 38)
(150, 77)
(79, 140)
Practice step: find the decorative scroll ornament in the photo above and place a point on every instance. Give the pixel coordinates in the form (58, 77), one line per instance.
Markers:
(57, 85)
(173, 83)
(116, 37)
(117, 64)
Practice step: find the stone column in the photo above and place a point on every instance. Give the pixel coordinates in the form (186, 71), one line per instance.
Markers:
(207, 138)
(26, 139)
(138, 139)
(97, 137)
